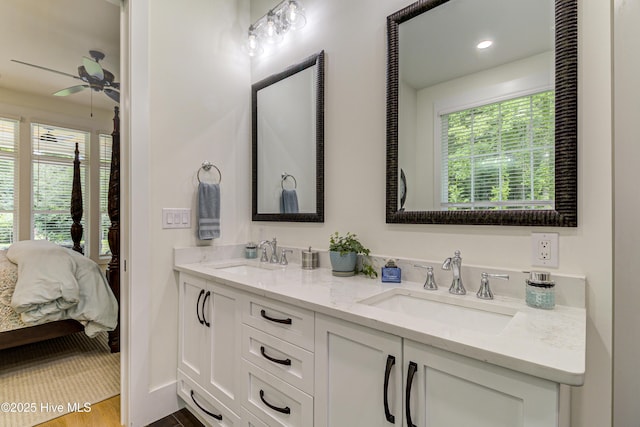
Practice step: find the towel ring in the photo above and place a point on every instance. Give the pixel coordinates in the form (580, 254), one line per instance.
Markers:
(206, 165)
(284, 178)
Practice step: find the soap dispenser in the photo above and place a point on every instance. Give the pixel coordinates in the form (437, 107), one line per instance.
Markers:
(540, 290)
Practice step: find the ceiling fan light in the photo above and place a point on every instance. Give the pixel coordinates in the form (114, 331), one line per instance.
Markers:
(93, 68)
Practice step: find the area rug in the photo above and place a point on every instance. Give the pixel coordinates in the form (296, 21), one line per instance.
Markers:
(42, 381)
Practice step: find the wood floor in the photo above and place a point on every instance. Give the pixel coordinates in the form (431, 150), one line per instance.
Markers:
(107, 414)
(103, 414)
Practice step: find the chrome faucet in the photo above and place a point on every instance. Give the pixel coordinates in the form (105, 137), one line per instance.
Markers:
(263, 245)
(273, 244)
(485, 290)
(283, 256)
(430, 281)
(274, 252)
(454, 264)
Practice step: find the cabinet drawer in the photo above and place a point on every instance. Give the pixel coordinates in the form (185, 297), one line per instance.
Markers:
(280, 358)
(250, 420)
(284, 321)
(273, 401)
(206, 407)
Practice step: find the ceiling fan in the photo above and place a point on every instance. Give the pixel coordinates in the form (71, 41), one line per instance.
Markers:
(91, 74)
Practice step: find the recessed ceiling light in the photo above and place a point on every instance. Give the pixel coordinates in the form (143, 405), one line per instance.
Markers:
(484, 44)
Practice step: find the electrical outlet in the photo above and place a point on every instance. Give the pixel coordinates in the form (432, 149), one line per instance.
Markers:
(544, 249)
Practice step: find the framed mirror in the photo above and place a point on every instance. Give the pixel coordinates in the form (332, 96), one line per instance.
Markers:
(482, 136)
(288, 144)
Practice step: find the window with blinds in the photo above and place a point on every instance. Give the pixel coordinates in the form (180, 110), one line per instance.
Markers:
(500, 155)
(52, 168)
(8, 194)
(105, 170)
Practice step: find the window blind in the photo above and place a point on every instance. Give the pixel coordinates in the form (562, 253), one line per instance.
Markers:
(500, 155)
(8, 193)
(52, 165)
(105, 170)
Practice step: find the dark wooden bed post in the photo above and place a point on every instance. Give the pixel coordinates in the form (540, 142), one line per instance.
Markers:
(76, 204)
(113, 269)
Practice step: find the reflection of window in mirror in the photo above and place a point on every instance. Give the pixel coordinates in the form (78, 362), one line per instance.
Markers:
(498, 155)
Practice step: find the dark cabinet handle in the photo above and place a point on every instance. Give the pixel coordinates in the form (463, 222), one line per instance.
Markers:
(217, 417)
(198, 307)
(284, 321)
(391, 360)
(204, 301)
(286, 362)
(285, 410)
(412, 371)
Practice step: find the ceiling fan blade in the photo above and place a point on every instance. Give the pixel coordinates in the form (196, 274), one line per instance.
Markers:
(70, 90)
(93, 68)
(46, 69)
(112, 94)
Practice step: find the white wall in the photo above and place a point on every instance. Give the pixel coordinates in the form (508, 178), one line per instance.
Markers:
(353, 35)
(190, 102)
(626, 374)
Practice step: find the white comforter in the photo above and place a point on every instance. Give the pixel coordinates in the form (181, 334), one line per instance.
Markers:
(56, 283)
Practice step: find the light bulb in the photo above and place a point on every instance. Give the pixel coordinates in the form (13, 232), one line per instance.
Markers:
(253, 46)
(294, 15)
(272, 30)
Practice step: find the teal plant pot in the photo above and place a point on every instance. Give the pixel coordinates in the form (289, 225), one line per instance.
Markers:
(343, 265)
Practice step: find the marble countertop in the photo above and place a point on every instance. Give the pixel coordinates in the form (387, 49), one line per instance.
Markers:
(549, 344)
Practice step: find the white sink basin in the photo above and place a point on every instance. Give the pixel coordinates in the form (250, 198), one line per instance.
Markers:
(244, 267)
(473, 315)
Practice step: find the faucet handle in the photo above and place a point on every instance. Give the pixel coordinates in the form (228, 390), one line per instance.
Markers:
(283, 256)
(264, 257)
(430, 281)
(485, 290)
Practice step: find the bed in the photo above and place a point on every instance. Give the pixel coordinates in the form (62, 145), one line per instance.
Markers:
(15, 331)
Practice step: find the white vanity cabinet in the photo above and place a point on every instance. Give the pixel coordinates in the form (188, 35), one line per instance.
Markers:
(358, 375)
(277, 366)
(445, 389)
(366, 377)
(209, 348)
(248, 359)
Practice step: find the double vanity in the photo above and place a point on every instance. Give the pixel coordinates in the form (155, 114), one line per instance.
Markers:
(262, 344)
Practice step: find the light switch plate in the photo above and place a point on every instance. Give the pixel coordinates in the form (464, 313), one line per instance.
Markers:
(176, 218)
(544, 250)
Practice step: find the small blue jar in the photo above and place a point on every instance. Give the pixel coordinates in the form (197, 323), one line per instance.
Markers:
(541, 291)
(251, 250)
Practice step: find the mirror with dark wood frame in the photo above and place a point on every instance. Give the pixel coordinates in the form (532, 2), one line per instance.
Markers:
(560, 208)
(288, 144)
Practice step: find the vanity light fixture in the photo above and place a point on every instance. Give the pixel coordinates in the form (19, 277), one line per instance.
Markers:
(271, 27)
(484, 44)
(253, 46)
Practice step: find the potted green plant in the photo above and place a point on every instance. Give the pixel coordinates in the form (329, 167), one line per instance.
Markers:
(343, 254)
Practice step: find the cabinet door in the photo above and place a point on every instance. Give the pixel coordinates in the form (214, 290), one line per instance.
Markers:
(358, 381)
(193, 333)
(205, 407)
(222, 319)
(444, 389)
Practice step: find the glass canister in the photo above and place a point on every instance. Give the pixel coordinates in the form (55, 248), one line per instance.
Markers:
(541, 291)
(251, 250)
